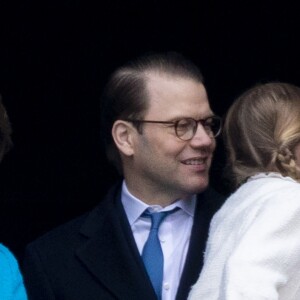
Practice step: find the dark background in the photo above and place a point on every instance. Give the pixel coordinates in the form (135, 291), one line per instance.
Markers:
(55, 57)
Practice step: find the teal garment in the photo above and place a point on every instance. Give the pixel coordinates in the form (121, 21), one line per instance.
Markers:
(11, 282)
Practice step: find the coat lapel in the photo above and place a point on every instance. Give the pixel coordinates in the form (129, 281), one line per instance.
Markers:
(110, 252)
(207, 204)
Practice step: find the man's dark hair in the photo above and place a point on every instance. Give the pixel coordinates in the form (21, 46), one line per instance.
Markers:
(5, 131)
(125, 95)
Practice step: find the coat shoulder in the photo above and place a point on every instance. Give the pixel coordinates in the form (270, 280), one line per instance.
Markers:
(76, 230)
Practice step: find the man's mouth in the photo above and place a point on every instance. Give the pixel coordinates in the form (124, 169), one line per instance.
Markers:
(194, 161)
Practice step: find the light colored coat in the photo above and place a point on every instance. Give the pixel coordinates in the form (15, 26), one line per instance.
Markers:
(253, 249)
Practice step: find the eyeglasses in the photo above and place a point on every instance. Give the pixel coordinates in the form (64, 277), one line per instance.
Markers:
(186, 128)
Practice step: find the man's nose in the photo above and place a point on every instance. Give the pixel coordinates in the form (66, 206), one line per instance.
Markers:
(201, 137)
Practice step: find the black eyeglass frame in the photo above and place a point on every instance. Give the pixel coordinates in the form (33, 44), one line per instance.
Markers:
(203, 122)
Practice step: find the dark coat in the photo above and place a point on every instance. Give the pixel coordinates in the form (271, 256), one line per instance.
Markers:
(95, 256)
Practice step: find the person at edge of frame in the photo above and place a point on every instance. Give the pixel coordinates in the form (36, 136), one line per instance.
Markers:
(253, 246)
(11, 281)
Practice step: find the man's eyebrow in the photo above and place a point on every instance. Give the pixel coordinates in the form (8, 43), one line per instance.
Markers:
(205, 116)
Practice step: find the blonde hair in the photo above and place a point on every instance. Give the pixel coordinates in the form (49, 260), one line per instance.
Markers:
(261, 130)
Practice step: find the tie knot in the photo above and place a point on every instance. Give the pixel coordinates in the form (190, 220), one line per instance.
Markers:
(158, 217)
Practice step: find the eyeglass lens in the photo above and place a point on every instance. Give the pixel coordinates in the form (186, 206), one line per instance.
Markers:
(186, 128)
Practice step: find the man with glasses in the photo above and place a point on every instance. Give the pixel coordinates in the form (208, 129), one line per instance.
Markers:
(145, 240)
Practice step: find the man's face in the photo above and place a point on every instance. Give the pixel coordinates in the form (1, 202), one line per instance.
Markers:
(162, 163)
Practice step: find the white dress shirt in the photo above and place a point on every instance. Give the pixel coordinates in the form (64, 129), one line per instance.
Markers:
(253, 249)
(174, 234)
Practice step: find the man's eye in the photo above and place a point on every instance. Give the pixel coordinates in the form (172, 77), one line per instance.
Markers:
(210, 123)
(183, 124)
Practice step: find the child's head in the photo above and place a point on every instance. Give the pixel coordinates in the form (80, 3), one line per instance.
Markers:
(262, 130)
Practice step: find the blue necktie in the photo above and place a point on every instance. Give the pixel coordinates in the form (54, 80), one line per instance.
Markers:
(152, 254)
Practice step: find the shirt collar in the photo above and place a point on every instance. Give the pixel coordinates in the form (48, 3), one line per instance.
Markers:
(134, 207)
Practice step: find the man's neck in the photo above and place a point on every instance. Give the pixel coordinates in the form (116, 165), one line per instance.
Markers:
(155, 197)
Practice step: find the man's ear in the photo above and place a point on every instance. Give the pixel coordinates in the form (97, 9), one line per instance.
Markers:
(122, 132)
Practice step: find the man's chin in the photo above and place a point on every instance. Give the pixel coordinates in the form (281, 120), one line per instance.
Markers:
(199, 187)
